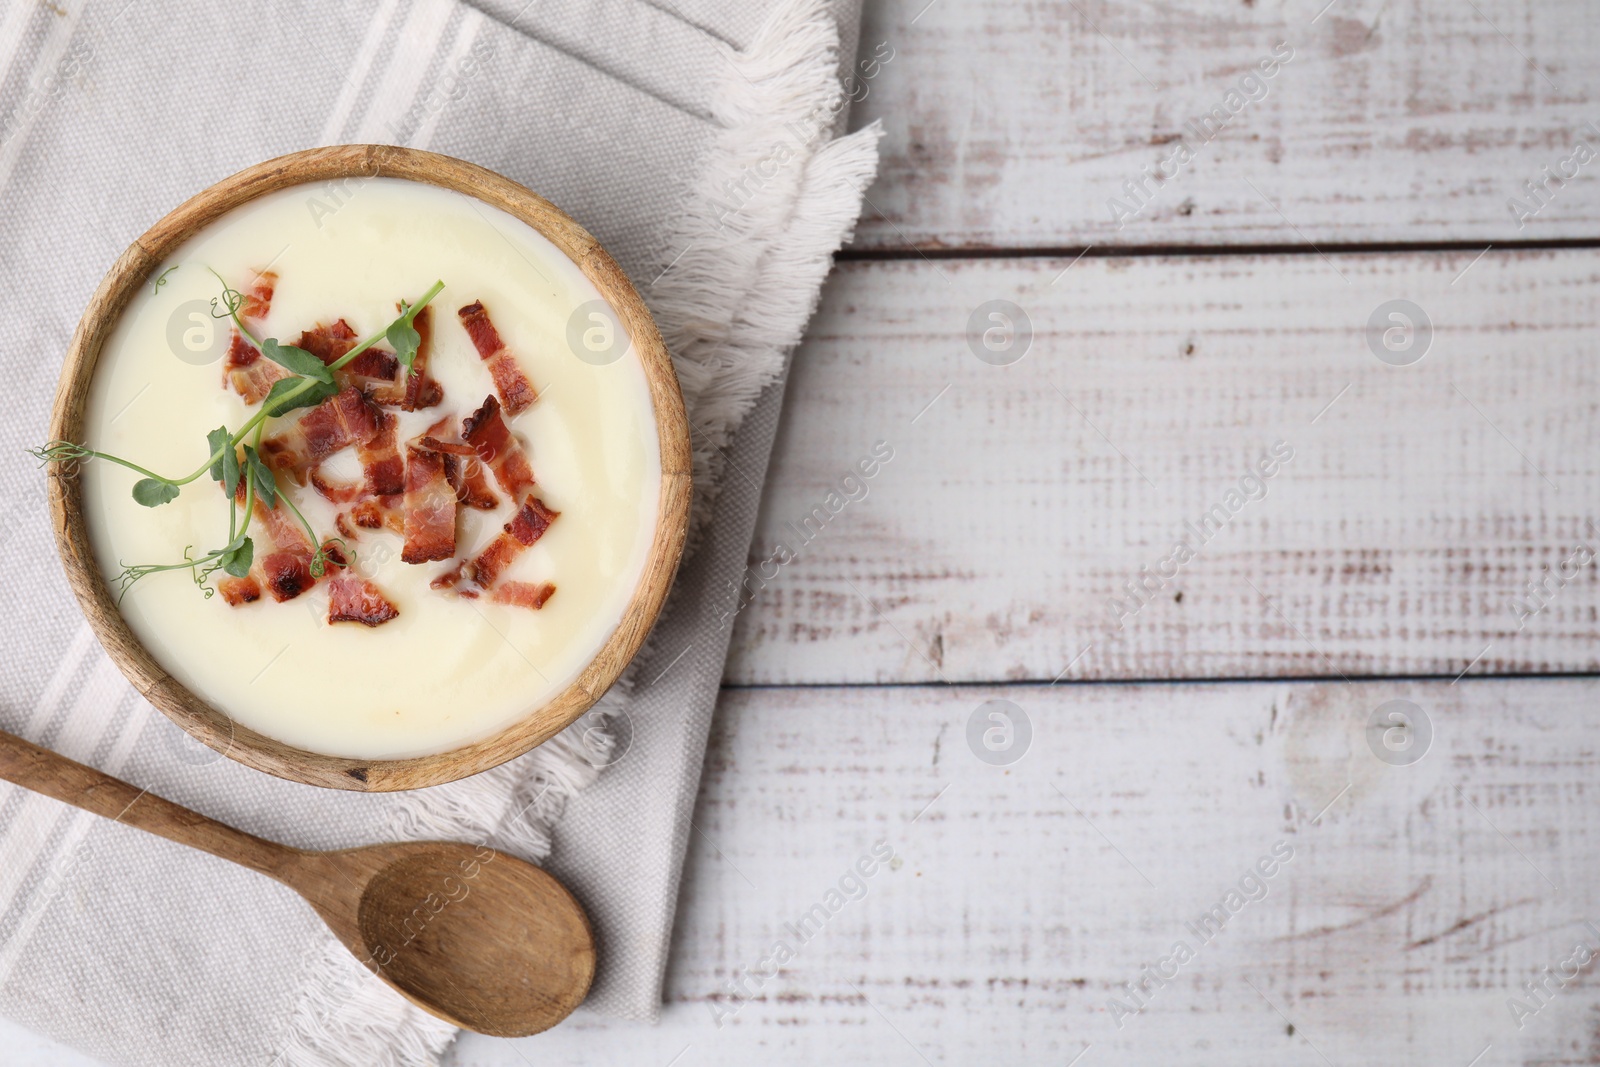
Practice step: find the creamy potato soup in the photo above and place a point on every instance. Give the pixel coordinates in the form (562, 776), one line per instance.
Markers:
(469, 532)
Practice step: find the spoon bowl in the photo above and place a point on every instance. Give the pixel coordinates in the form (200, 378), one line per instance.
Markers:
(454, 928)
(479, 938)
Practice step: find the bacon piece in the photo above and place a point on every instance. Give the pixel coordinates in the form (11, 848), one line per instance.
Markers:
(526, 526)
(238, 591)
(451, 578)
(376, 514)
(287, 570)
(454, 448)
(257, 300)
(377, 371)
(247, 372)
(491, 438)
(461, 468)
(243, 368)
(509, 381)
(530, 595)
(430, 508)
(283, 529)
(381, 462)
(434, 439)
(383, 470)
(373, 371)
(494, 559)
(288, 573)
(351, 598)
(343, 419)
(531, 521)
(422, 391)
(452, 452)
(327, 342)
(338, 493)
(472, 487)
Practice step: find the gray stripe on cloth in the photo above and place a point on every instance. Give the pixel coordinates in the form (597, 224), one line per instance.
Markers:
(138, 947)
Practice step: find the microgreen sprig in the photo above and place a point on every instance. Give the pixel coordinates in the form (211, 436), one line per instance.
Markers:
(310, 382)
(402, 333)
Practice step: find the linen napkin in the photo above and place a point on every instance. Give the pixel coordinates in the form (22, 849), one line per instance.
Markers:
(700, 142)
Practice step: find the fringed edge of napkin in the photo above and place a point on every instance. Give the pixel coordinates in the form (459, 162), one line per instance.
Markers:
(343, 1015)
(727, 313)
(745, 269)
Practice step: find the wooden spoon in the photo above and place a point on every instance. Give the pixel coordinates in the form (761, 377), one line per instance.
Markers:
(481, 939)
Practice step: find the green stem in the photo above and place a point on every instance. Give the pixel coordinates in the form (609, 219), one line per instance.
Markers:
(233, 310)
(249, 504)
(306, 383)
(409, 317)
(125, 463)
(309, 531)
(255, 420)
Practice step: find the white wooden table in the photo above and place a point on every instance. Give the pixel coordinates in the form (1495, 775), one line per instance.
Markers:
(1182, 732)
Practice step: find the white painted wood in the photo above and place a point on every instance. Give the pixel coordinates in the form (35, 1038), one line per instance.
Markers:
(1414, 511)
(1012, 125)
(1412, 908)
(1021, 499)
(24, 1048)
(1414, 905)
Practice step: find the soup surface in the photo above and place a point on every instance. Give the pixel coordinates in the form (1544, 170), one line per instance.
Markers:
(446, 669)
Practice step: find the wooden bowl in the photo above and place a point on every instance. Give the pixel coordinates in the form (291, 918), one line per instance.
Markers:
(211, 725)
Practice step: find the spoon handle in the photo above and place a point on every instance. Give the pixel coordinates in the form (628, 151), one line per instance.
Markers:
(54, 775)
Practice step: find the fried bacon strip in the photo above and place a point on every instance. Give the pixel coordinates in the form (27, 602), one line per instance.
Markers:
(351, 598)
(530, 595)
(472, 486)
(377, 371)
(371, 371)
(239, 591)
(417, 494)
(247, 372)
(462, 468)
(430, 505)
(335, 492)
(256, 301)
(420, 390)
(344, 419)
(374, 514)
(383, 469)
(491, 438)
(286, 571)
(509, 381)
(243, 368)
(381, 462)
(526, 526)
(328, 343)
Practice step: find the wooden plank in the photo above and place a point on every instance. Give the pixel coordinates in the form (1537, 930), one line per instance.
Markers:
(1418, 898)
(24, 1048)
(1420, 503)
(1013, 125)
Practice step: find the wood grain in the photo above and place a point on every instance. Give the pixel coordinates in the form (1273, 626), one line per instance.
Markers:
(1420, 503)
(1418, 898)
(212, 725)
(474, 936)
(1012, 125)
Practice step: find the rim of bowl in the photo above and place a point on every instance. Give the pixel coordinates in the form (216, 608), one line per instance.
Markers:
(209, 724)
